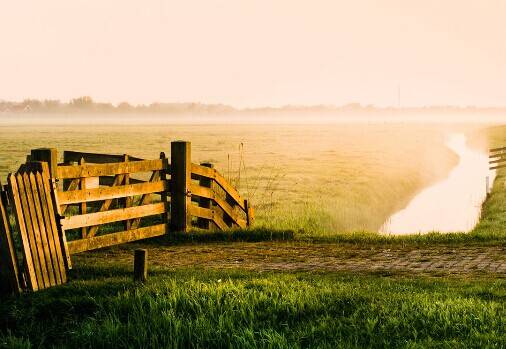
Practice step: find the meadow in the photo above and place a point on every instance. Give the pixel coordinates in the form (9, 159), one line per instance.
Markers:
(317, 185)
(316, 180)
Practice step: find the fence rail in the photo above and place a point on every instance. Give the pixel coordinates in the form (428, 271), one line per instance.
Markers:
(497, 158)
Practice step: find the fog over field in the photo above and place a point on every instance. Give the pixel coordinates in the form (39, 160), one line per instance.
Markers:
(314, 177)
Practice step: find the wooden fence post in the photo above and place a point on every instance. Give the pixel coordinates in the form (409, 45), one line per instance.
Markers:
(205, 202)
(140, 265)
(180, 185)
(49, 155)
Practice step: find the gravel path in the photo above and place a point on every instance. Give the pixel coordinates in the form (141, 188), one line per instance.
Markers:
(296, 256)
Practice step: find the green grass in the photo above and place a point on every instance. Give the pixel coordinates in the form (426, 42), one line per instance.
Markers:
(197, 308)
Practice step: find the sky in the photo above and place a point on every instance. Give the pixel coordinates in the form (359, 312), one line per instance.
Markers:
(250, 53)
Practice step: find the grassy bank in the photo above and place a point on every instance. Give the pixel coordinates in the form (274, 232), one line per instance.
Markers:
(196, 308)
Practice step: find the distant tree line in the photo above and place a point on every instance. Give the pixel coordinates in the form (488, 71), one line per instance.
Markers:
(86, 104)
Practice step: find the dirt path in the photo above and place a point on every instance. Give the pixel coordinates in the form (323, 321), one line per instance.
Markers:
(295, 256)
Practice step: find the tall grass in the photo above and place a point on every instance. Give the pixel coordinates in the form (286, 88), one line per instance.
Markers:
(215, 309)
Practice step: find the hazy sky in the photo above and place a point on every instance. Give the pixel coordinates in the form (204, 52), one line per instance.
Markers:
(250, 53)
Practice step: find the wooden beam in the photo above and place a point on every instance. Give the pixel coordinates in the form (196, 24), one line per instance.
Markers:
(201, 212)
(497, 149)
(95, 158)
(96, 170)
(122, 237)
(109, 180)
(121, 214)
(115, 192)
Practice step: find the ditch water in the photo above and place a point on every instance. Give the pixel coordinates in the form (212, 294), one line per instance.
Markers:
(451, 205)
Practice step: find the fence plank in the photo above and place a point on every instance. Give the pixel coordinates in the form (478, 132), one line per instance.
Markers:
(501, 159)
(219, 222)
(52, 234)
(497, 149)
(48, 268)
(95, 158)
(96, 170)
(114, 192)
(109, 180)
(122, 237)
(98, 218)
(496, 167)
(29, 262)
(201, 212)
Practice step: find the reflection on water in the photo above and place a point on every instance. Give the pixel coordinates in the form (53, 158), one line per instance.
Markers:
(452, 205)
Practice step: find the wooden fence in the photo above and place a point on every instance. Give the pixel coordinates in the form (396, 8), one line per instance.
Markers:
(497, 158)
(100, 200)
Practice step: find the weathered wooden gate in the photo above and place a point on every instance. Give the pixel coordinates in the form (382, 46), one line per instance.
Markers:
(93, 200)
(45, 260)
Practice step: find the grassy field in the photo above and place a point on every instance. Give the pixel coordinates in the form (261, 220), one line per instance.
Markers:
(313, 179)
(206, 307)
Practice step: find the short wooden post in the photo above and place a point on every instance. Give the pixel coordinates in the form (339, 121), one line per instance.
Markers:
(180, 186)
(49, 155)
(205, 202)
(250, 214)
(140, 265)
